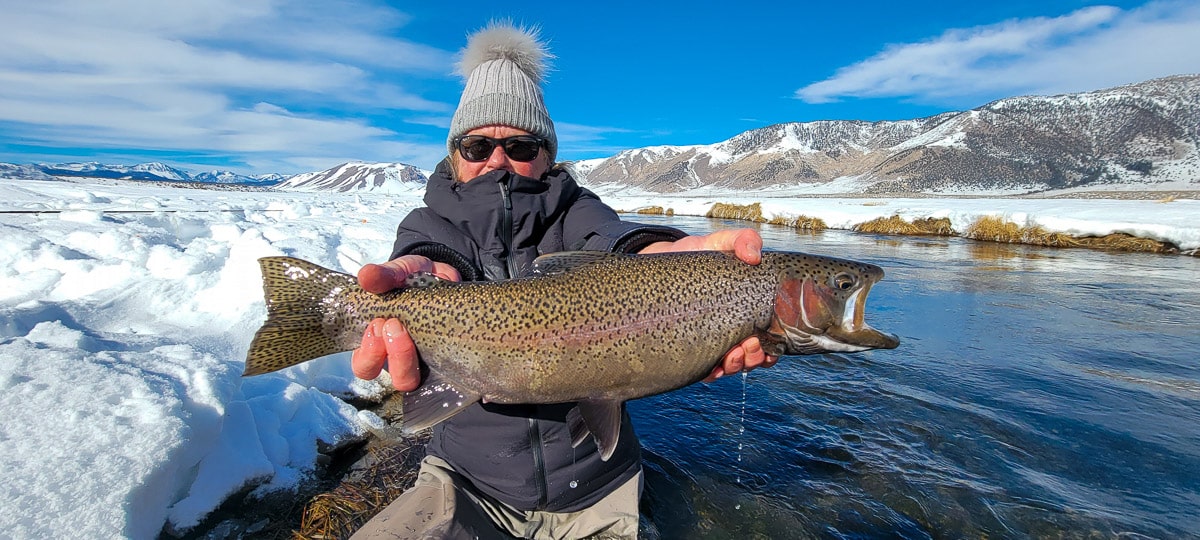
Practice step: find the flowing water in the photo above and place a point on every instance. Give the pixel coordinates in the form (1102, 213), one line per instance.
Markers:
(1036, 393)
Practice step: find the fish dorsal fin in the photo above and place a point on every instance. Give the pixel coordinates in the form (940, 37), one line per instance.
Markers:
(601, 418)
(557, 263)
(435, 400)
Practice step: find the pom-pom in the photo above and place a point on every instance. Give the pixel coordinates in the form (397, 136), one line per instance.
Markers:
(503, 40)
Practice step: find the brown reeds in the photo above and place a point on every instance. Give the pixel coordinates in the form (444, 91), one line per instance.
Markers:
(1127, 242)
(936, 226)
(898, 225)
(997, 229)
(801, 223)
(988, 228)
(747, 212)
(386, 473)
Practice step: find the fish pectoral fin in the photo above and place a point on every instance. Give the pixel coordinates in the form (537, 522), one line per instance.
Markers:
(600, 418)
(579, 430)
(435, 400)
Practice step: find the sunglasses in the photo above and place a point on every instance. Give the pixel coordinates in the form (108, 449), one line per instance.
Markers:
(479, 148)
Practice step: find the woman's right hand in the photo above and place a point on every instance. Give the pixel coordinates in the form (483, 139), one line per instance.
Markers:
(386, 341)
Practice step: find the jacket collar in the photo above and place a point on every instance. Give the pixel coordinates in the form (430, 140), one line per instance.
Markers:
(476, 207)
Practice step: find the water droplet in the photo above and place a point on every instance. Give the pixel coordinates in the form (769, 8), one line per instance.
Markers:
(738, 507)
(574, 484)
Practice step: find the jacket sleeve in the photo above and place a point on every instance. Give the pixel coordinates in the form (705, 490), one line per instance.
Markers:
(411, 240)
(592, 225)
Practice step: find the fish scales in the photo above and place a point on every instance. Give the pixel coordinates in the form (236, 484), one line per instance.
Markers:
(593, 328)
(583, 334)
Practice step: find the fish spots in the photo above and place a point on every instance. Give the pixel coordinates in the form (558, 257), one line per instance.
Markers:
(617, 328)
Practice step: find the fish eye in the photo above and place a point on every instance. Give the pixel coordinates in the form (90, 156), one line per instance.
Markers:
(843, 281)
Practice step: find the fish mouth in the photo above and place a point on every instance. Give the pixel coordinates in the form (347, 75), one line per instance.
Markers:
(854, 329)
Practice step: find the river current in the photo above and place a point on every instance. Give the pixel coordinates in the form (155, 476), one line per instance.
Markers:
(1036, 393)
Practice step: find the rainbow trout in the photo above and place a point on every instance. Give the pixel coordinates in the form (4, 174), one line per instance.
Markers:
(593, 328)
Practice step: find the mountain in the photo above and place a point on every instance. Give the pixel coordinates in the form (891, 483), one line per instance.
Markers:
(359, 176)
(32, 172)
(226, 177)
(144, 171)
(157, 172)
(1144, 135)
(378, 177)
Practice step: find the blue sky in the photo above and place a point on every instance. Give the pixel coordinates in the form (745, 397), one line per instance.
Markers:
(258, 86)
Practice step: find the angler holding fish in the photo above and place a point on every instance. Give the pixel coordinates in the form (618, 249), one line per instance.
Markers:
(530, 363)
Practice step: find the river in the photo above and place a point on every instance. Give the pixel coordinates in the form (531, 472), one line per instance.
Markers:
(1036, 393)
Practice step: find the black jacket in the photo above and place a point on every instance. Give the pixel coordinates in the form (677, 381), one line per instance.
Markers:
(490, 228)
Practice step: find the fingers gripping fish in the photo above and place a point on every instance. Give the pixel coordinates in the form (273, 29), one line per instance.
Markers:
(591, 328)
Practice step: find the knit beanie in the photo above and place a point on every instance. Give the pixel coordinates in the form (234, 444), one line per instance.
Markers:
(503, 66)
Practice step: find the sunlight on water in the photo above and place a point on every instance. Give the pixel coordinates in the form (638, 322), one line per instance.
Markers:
(1036, 393)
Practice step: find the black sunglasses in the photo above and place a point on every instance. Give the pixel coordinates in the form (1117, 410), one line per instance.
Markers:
(479, 148)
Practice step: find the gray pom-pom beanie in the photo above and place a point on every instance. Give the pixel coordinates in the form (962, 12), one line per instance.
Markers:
(504, 65)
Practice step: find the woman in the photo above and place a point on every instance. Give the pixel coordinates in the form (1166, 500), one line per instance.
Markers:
(493, 205)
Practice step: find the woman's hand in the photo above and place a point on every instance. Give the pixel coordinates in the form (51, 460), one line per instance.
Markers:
(745, 244)
(386, 341)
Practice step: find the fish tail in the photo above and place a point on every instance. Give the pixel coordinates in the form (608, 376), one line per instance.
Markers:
(302, 324)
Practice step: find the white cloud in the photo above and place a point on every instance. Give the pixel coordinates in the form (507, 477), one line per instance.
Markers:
(1090, 48)
(212, 76)
(579, 141)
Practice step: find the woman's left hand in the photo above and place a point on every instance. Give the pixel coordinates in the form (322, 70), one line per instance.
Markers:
(745, 244)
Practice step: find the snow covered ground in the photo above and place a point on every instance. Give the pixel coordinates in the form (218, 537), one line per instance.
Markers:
(126, 310)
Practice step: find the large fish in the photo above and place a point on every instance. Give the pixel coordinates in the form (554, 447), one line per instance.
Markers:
(593, 328)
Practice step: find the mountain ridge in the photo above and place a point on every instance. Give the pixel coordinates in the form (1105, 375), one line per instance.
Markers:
(1142, 134)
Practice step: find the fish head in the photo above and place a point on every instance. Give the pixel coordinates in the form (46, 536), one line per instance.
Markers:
(819, 305)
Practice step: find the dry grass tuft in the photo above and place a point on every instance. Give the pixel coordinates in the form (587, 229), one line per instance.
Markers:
(996, 229)
(388, 471)
(935, 226)
(1167, 199)
(801, 222)
(1127, 242)
(749, 212)
(898, 225)
(650, 210)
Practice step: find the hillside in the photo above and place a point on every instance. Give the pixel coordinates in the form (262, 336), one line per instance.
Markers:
(1139, 136)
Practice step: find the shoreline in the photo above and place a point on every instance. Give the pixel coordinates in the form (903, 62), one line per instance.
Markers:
(986, 226)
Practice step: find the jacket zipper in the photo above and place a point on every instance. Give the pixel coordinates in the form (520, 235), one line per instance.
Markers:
(506, 225)
(535, 434)
(539, 462)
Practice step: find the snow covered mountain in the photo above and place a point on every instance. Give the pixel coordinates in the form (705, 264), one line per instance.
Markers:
(226, 177)
(145, 171)
(32, 172)
(1144, 136)
(359, 176)
(379, 177)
